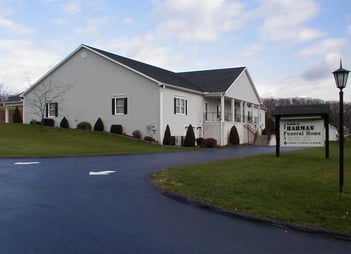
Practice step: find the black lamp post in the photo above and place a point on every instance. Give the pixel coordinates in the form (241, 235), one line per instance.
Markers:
(341, 76)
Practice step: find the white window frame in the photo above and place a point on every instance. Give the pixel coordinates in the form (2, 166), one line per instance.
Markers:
(180, 105)
(52, 109)
(119, 103)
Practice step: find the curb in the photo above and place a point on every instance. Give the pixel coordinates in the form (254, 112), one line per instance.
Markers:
(258, 219)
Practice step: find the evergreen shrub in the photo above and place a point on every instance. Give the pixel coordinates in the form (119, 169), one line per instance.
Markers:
(234, 136)
(99, 125)
(189, 140)
(17, 117)
(64, 123)
(167, 139)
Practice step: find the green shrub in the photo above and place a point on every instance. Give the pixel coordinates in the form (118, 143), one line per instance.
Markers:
(265, 131)
(234, 136)
(150, 139)
(35, 122)
(17, 117)
(99, 125)
(189, 140)
(117, 129)
(84, 126)
(48, 122)
(200, 141)
(210, 142)
(167, 139)
(136, 134)
(64, 123)
(173, 139)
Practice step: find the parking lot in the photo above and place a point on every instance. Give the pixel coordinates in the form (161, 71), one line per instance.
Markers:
(106, 204)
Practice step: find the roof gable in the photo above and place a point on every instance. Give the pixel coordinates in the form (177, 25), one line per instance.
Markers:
(213, 80)
(243, 88)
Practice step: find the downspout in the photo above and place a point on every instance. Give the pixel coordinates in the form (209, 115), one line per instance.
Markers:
(162, 87)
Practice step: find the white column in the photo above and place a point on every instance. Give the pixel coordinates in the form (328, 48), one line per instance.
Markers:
(240, 111)
(222, 108)
(233, 110)
(7, 114)
(222, 120)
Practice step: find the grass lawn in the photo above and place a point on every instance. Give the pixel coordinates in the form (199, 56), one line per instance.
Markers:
(299, 187)
(20, 140)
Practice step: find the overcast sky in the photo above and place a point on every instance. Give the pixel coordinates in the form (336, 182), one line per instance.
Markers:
(290, 47)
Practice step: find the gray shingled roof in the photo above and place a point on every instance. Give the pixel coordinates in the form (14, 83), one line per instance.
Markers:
(14, 99)
(213, 80)
(204, 81)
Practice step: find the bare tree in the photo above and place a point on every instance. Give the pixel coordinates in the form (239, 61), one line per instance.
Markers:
(271, 103)
(47, 92)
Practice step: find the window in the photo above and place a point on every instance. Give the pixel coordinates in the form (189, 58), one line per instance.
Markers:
(119, 106)
(180, 106)
(51, 109)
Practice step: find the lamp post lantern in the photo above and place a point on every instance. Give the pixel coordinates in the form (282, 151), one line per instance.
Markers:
(340, 76)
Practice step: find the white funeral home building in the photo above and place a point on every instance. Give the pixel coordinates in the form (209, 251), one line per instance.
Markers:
(91, 83)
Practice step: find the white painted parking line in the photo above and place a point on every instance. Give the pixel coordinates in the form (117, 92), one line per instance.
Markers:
(27, 163)
(101, 173)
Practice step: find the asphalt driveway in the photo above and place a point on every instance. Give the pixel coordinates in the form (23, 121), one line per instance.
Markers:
(53, 205)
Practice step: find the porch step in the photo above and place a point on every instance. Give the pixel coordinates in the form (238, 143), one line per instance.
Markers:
(261, 140)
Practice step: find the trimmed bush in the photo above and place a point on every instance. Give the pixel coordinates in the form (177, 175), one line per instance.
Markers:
(210, 142)
(48, 122)
(136, 134)
(200, 141)
(265, 131)
(64, 123)
(189, 140)
(35, 122)
(173, 141)
(150, 139)
(116, 129)
(234, 136)
(167, 139)
(99, 125)
(17, 117)
(84, 126)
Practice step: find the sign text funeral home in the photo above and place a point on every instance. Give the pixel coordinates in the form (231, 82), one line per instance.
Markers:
(302, 132)
(302, 125)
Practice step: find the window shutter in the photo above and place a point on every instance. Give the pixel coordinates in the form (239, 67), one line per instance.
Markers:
(56, 109)
(46, 109)
(186, 107)
(175, 105)
(113, 106)
(125, 106)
